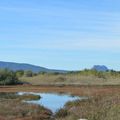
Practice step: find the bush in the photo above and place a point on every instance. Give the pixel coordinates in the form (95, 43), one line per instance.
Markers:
(8, 77)
(19, 73)
(28, 73)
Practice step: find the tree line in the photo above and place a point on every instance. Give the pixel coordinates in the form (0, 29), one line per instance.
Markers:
(9, 77)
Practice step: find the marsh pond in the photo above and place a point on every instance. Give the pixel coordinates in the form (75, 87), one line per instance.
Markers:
(52, 101)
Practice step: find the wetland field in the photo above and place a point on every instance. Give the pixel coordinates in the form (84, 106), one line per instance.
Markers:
(97, 103)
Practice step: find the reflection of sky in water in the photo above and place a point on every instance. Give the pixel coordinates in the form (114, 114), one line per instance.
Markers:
(53, 101)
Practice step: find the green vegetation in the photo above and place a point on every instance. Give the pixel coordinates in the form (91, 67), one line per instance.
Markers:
(19, 97)
(12, 108)
(19, 73)
(28, 73)
(29, 97)
(85, 77)
(103, 103)
(8, 77)
(62, 113)
(95, 108)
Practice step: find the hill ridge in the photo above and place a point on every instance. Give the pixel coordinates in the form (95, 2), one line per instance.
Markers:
(25, 66)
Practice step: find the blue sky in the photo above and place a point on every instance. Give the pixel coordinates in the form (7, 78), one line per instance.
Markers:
(61, 34)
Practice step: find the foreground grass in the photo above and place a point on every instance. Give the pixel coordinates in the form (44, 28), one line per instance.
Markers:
(96, 108)
(103, 104)
(11, 108)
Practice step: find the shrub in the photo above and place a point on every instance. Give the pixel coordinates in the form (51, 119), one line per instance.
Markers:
(19, 73)
(8, 77)
(28, 73)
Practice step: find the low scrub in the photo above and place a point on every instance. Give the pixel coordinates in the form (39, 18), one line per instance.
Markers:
(96, 108)
(8, 77)
(12, 108)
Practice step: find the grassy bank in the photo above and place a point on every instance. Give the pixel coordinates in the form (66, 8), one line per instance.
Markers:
(12, 108)
(96, 108)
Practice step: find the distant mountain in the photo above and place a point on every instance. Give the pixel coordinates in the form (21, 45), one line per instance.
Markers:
(100, 68)
(22, 66)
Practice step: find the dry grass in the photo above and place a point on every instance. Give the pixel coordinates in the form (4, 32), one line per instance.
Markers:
(73, 79)
(13, 109)
(104, 104)
(96, 108)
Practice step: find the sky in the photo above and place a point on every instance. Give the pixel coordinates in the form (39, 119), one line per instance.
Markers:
(61, 34)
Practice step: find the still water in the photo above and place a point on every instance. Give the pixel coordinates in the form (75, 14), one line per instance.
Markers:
(52, 101)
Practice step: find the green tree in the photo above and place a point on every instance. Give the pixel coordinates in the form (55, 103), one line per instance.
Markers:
(19, 73)
(28, 73)
(8, 77)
